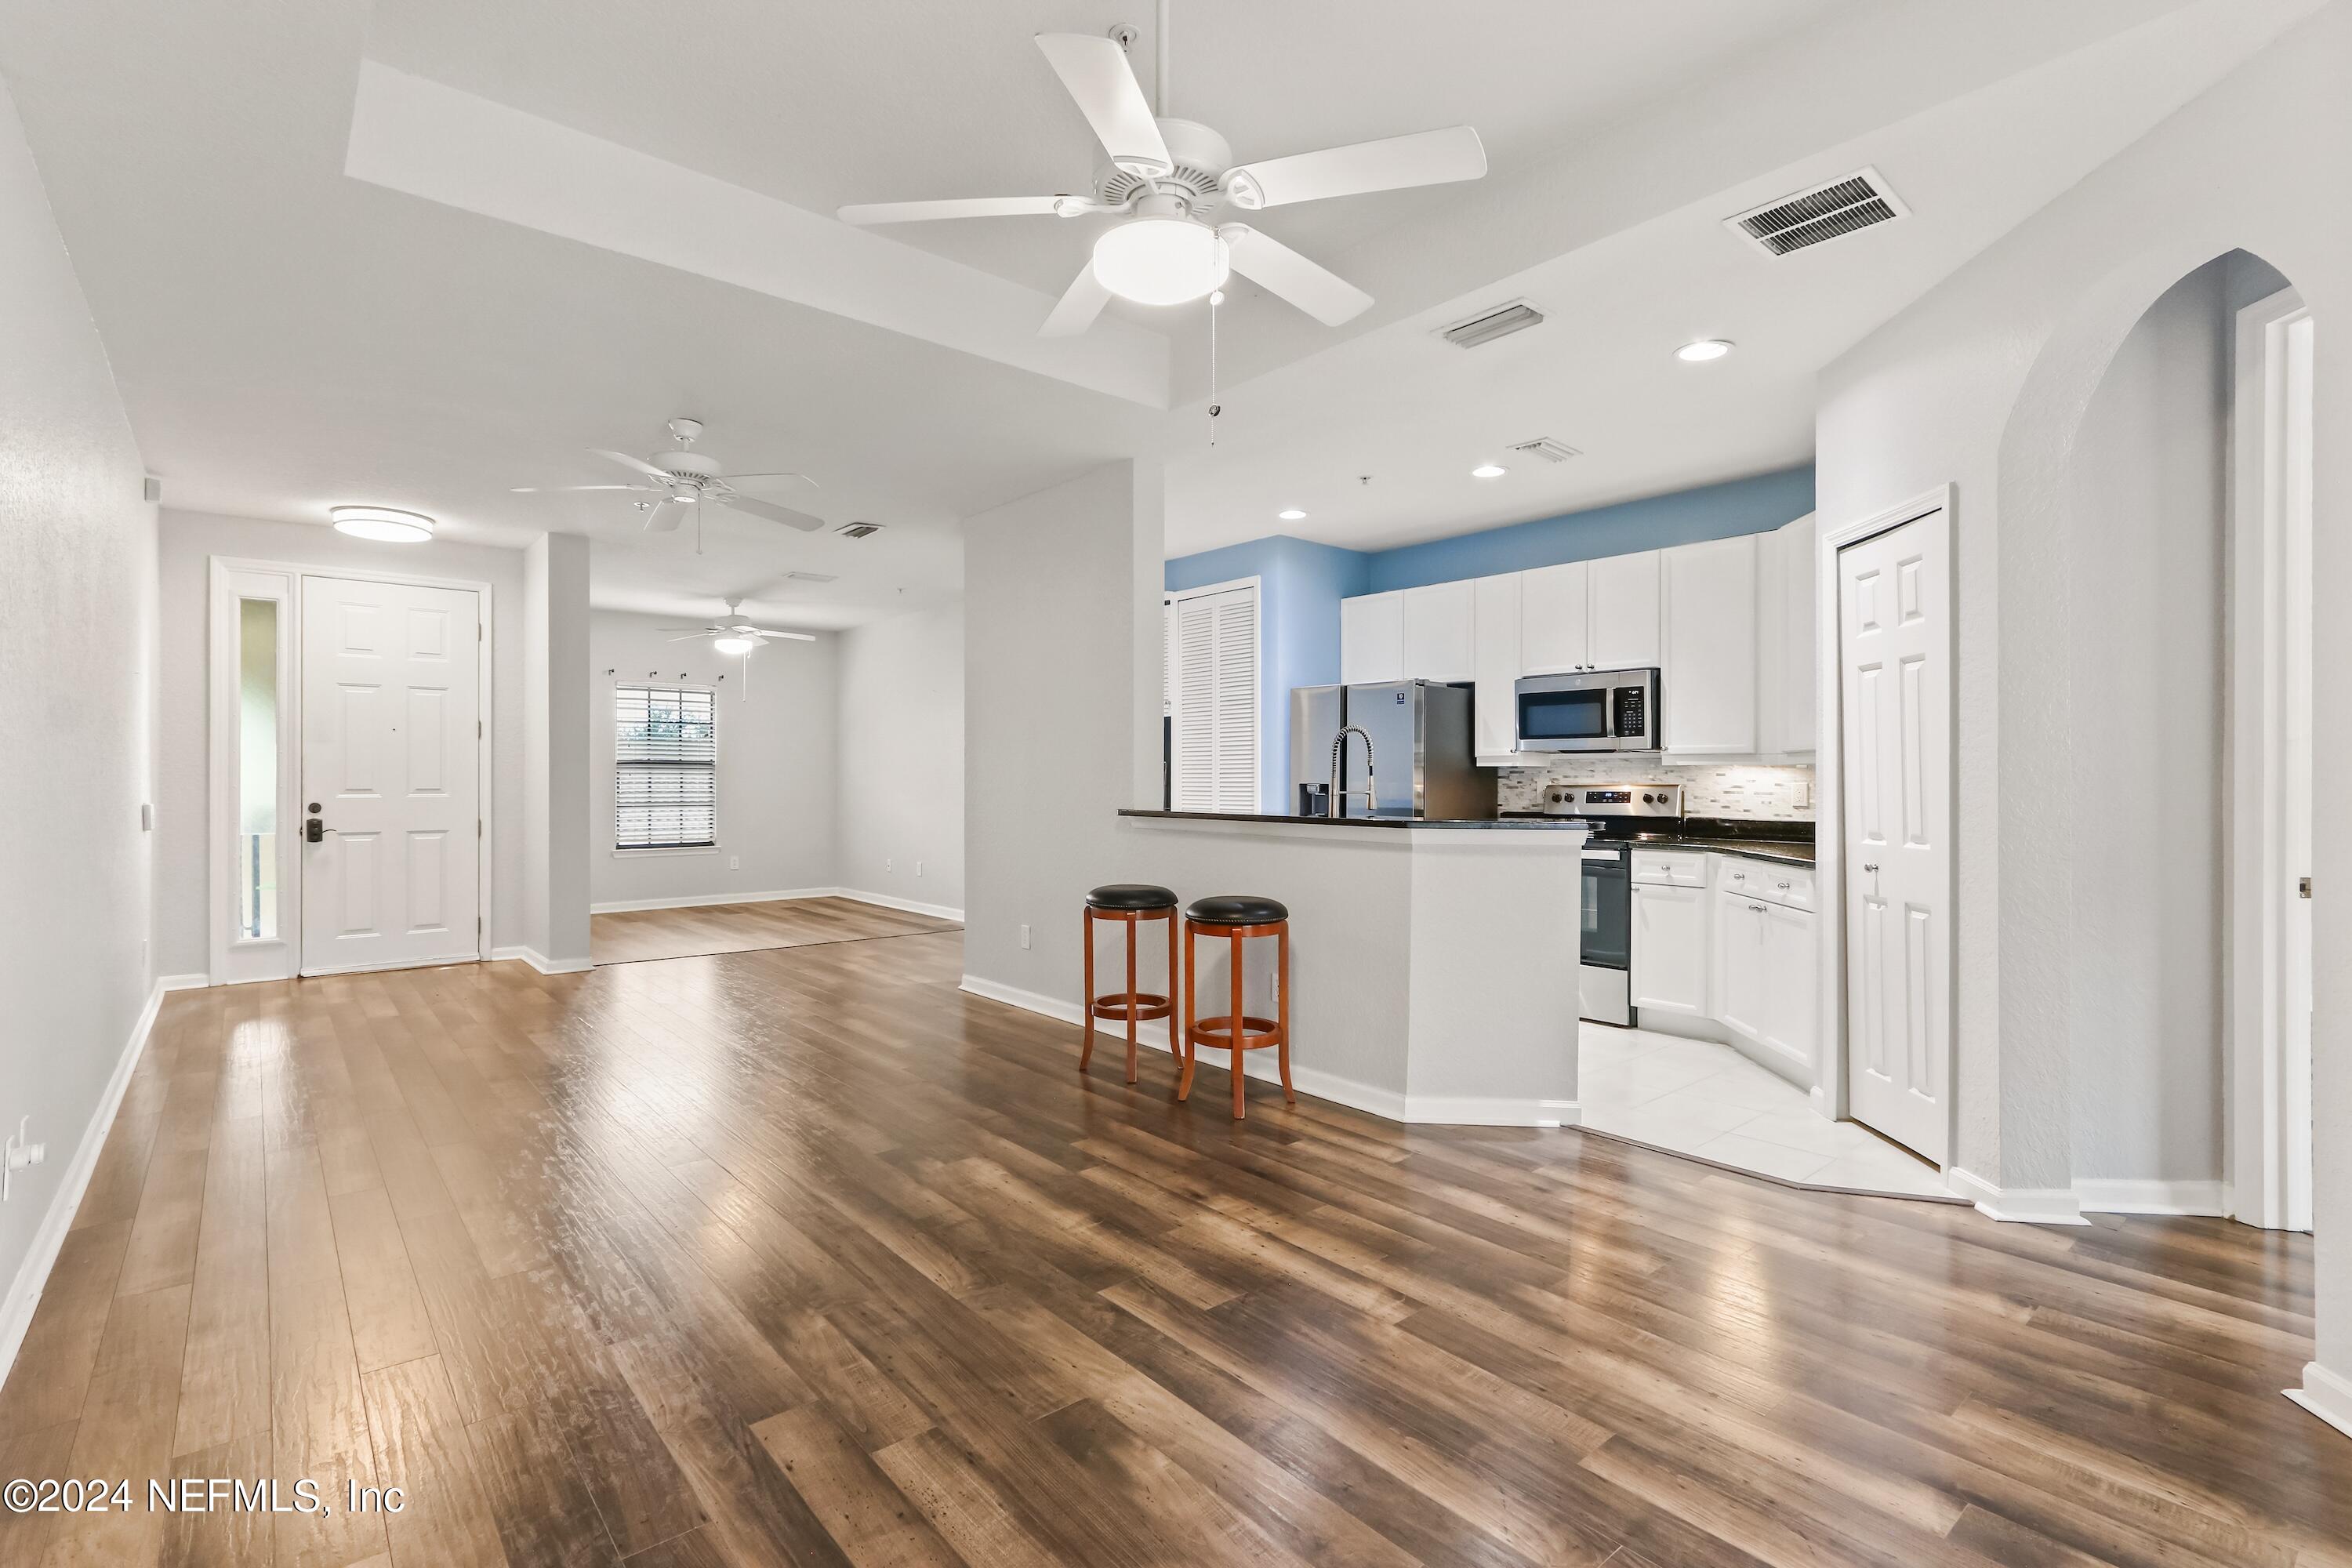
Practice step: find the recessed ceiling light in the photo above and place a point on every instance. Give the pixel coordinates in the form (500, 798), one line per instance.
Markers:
(383, 523)
(1488, 471)
(1290, 514)
(1704, 350)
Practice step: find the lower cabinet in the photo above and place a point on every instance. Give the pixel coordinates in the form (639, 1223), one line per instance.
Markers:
(1670, 950)
(1764, 975)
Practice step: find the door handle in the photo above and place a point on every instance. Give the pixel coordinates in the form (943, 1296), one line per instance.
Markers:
(314, 831)
(1870, 864)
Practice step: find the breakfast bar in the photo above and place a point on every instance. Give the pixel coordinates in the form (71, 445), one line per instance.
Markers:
(1434, 963)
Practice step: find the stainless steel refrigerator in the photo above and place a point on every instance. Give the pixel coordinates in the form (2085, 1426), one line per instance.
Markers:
(1422, 761)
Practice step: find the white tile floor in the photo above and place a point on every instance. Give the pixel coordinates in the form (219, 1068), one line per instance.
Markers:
(1693, 1097)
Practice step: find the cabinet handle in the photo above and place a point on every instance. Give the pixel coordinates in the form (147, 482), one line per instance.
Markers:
(1758, 908)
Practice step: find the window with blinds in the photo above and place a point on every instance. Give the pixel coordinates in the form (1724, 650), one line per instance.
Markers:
(666, 767)
(1213, 700)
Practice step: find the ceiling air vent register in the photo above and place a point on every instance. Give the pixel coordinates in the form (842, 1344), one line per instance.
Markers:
(1488, 326)
(1824, 213)
(1550, 451)
(857, 530)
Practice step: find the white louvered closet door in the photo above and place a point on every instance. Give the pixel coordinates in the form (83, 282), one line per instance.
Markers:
(1216, 702)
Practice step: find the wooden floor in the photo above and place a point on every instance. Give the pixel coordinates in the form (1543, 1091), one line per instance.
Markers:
(631, 936)
(804, 1255)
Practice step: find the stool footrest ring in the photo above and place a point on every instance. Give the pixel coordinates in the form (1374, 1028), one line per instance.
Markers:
(1147, 1006)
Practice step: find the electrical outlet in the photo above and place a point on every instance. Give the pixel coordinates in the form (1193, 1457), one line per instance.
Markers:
(21, 1154)
(886, 865)
(918, 868)
(734, 862)
(1025, 936)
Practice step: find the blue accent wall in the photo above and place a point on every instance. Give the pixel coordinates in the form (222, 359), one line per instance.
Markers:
(1300, 584)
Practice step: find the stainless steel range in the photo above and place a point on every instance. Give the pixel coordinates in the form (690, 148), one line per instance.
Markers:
(1614, 814)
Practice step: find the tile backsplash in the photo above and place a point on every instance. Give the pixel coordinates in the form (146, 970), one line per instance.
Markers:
(1735, 789)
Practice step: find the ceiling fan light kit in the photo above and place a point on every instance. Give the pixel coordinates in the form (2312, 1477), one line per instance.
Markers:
(1161, 257)
(382, 523)
(687, 478)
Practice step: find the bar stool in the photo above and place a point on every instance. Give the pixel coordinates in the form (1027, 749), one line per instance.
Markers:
(1128, 903)
(1236, 917)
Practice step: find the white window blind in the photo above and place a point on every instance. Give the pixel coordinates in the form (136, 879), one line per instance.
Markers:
(1215, 702)
(665, 767)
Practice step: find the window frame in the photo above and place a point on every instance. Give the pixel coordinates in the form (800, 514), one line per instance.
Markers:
(622, 851)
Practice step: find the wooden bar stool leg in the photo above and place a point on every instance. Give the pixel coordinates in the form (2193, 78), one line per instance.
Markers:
(1175, 1024)
(1237, 1022)
(1191, 966)
(1133, 981)
(1086, 1001)
(1282, 1011)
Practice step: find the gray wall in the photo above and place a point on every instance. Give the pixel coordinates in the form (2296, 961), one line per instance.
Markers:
(2147, 550)
(77, 672)
(183, 820)
(776, 765)
(1058, 588)
(556, 756)
(902, 758)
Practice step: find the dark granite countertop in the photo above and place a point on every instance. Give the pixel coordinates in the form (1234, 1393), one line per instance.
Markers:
(1782, 843)
(1539, 823)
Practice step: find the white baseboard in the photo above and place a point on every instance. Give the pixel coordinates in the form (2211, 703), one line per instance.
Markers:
(2325, 1394)
(2104, 1195)
(2021, 1206)
(1260, 1066)
(540, 961)
(889, 902)
(707, 900)
(33, 1273)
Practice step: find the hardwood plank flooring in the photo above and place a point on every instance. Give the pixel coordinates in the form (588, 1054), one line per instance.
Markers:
(632, 936)
(804, 1255)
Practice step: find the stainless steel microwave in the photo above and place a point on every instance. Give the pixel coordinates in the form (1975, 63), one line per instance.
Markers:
(1591, 710)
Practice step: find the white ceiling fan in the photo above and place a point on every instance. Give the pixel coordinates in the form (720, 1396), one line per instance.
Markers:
(671, 483)
(1163, 173)
(735, 636)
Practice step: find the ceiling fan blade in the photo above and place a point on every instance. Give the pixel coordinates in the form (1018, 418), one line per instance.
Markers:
(1425, 158)
(1095, 70)
(628, 462)
(785, 636)
(968, 207)
(774, 513)
(1080, 303)
(565, 489)
(1322, 294)
(692, 636)
(739, 478)
(664, 517)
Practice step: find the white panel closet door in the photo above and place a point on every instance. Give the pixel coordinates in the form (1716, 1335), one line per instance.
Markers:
(391, 703)
(1894, 667)
(1216, 702)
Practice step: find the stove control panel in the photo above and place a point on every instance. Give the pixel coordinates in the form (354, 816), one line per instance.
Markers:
(1648, 800)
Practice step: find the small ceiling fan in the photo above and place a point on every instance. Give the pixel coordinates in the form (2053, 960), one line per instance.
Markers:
(735, 636)
(674, 482)
(1163, 173)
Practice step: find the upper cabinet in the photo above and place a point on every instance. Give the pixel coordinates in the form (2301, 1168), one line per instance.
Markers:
(1707, 693)
(1554, 623)
(1439, 640)
(1623, 617)
(1493, 704)
(1787, 655)
(1372, 638)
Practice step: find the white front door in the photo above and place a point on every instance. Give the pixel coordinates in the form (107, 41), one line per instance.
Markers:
(392, 708)
(1895, 660)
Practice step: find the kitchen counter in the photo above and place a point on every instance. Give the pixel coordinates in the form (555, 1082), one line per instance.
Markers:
(1779, 851)
(1755, 838)
(1553, 823)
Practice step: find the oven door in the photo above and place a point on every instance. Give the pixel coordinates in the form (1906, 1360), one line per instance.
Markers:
(1565, 714)
(1605, 929)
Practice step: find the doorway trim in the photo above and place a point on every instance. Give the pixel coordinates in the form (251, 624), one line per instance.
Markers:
(1830, 1097)
(221, 741)
(2267, 1093)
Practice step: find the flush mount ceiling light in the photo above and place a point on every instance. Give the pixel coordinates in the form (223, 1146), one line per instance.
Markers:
(1488, 471)
(1703, 351)
(1161, 259)
(381, 522)
(1290, 514)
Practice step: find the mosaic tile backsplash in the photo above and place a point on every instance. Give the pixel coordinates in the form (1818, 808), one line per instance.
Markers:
(1739, 789)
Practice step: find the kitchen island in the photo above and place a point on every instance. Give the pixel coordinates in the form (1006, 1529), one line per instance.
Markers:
(1433, 965)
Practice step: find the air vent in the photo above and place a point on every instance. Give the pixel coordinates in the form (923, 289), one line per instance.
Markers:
(1550, 451)
(1824, 213)
(811, 577)
(857, 530)
(1488, 326)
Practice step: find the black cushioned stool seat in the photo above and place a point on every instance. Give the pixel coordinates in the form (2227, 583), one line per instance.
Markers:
(1130, 896)
(1237, 910)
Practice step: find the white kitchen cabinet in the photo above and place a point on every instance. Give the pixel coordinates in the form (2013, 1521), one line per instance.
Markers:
(1790, 1006)
(1708, 617)
(1495, 633)
(1623, 619)
(1766, 947)
(1440, 641)
(1738, 963)
(1554, 631)
(1786, 649)
(1670, 932)
(1372, 638)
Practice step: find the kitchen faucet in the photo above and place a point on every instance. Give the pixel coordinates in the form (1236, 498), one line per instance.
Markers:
(1338, 795)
